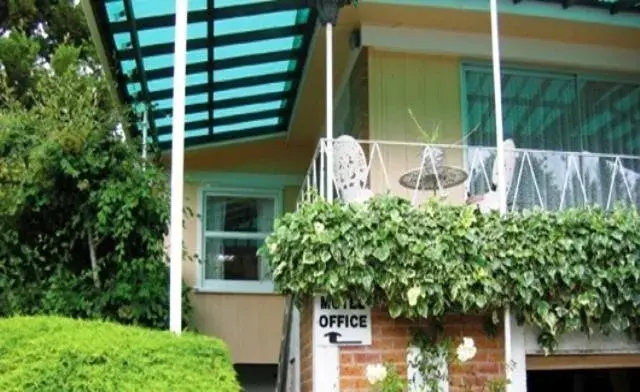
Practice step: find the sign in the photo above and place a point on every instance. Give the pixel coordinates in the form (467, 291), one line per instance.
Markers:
(348, 325)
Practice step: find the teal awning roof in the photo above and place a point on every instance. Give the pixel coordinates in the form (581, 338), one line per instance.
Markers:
(244, 63)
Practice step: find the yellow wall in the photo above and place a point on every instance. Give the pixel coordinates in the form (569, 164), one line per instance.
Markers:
(430, 87)
(251, 324)
(510, 25)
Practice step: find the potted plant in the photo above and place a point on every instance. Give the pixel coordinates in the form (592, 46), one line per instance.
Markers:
(431, 157)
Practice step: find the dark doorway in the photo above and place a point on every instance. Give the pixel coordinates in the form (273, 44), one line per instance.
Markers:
(257, 378)
(584, 380)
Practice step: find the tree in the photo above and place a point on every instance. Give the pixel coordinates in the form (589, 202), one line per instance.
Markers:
(31, 30)
(82, 216)
(61, 20)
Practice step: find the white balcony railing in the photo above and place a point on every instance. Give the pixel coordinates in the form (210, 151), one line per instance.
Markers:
(552, 180)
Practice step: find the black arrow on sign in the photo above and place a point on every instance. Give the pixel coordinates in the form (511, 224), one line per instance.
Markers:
(333, 339)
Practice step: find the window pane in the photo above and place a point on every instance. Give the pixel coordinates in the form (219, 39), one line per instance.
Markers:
(233, 259)
(557, 112)
(610, 114)
(239, 214)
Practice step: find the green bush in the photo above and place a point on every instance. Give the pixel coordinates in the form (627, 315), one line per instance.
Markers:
(58, 354)
(83, 216)
(560, 271)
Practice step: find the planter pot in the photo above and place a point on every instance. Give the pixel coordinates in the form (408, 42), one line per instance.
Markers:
(432, 157)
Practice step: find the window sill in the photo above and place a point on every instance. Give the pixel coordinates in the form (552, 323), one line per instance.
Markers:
(235, 287)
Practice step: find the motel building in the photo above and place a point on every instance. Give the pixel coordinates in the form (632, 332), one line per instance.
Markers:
(235, 94)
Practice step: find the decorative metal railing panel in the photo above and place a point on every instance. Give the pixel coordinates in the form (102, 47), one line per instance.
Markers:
(552, 180)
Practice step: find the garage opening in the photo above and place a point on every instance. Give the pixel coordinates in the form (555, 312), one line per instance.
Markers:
(584, 373)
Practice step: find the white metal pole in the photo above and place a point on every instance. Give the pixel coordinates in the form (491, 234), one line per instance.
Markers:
(177, 168)
(501, 185)
(329, 110)
(497, 95)
(145, 132)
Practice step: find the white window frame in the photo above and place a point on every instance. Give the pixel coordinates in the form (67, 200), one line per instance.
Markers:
(232, 286)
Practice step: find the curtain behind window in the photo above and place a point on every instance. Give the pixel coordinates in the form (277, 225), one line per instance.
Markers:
(558, 113)
(215, 219)
(266, 215)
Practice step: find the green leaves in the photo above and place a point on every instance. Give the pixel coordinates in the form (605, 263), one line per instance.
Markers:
(560, 271)
(70, 178)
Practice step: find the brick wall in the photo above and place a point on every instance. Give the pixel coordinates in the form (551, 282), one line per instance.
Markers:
(306, 344)
(392, 337)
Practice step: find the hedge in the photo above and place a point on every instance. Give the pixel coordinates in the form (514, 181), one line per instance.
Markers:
(58, 354)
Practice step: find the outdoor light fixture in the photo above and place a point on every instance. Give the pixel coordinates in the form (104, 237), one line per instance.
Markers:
(328, 9)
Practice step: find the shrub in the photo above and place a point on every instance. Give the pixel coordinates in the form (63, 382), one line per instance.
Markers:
(58, 354)
(82, 215)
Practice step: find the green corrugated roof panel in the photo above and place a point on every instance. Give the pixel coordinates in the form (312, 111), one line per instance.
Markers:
(244, 62)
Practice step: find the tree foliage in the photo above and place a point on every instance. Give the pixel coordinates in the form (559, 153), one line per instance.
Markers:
(575, 270)
(32, 30)
(82, 215)
(59, 20)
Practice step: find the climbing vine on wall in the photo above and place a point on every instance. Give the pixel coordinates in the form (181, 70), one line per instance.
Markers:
(575, 270)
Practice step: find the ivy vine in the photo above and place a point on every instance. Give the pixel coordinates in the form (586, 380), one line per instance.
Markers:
(573, 270)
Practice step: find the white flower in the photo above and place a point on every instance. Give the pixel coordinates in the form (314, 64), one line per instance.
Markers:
(413, 294)
(319, 227)
(376, 373)
(466, 350)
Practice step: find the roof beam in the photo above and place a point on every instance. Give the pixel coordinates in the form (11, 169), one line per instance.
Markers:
(233, 102)
(234, 62)
(140, 74)
(221, 13)
(216, 122)
(225, 136)
(223, 40)
(228, 84)
(306, 49)
(210, 13)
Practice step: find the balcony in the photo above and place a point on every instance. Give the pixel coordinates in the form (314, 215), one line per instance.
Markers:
(551, 180)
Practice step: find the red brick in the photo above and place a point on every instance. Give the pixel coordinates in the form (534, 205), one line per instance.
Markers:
(346, 358)
(368, 358)
(347, 371)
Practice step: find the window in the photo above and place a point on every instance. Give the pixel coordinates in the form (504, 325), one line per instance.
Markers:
(235, 225)
(558, 112)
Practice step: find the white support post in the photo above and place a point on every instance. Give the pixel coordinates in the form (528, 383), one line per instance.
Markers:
(177, 168)
(501, 185)
(497, 95)
(145, 131)
(329, 109)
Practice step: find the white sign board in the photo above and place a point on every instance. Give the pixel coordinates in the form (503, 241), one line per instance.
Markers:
(348, 325)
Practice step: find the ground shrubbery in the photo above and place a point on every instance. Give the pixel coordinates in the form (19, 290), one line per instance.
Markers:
(57, 354)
